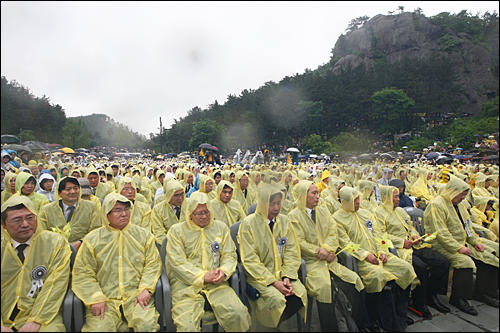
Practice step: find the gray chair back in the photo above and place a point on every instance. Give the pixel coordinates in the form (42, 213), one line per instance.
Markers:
(417, 217)
(251, 209)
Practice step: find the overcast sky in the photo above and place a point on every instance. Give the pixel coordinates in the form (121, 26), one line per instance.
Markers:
(138, 61)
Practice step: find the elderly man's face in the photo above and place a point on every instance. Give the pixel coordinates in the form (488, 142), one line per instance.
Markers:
(177, 198)
(226, 194)
(244, 182)
(34, 170)
(356, 203)
(21, 224)
(458, 199)
(274, 206)
(201, 216)
(128, 191)
(395, 199)
(119, 216)
(93, 179)
(312, 197)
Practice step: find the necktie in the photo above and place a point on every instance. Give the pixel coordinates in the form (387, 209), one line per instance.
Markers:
(178, 212)
(71, 210)
(20, 251)
(313, 215)
(245, 193)
(92, 189)
(271, 225)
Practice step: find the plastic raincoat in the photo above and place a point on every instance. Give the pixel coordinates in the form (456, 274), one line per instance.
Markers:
(115, 266)
(230, 212)
(479, 189)
(396, 222)
(441, 216)
(192, 252)
(321, 185)
(330, 195)
(311, 237)
(356, 224)
(203, 182)
(141, 212)
(85, 217)
(38, 199)
(368, 200)
(286, 205)
(7, 192)
(265, 263)
(163, 215)
(238, 195)
(480, 217)
(48, 250)
(155, 183)
(420, 188)
(102, 189)
(49, 195)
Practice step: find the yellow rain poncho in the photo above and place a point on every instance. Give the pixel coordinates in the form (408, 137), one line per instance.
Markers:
(102, 189)
(479, 189)
(141, 212)
(48, 250)
(311, 237)
(265, 263)
(7, 192)
(238, 195)
(368, 200)
(38, 199)
(330, 195)
(420, 188)
(321, 185)
(481, 218)
(357, 224)
(192, 252)
(203, 182)
(452, 235)
(155, 184)
(85, 217)
(230, 212)
(116, 266)
(396, 222)
(163, 215)
(286, 205)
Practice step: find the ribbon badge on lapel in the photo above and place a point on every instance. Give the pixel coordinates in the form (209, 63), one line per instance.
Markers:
(467, 228)
(406, 220)
(215, 249)
(369, 225)
(37, 275)
(281, 243)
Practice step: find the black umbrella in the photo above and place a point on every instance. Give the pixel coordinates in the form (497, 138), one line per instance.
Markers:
(35, 146)
(9, 139)
(491, 158)
(205, 146)
(444, 160)
(18, 148)
(432, 155)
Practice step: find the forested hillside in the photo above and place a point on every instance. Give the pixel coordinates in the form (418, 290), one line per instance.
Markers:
(391, 74)
(43, 121)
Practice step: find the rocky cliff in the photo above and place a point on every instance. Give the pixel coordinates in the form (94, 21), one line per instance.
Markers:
(414, 36)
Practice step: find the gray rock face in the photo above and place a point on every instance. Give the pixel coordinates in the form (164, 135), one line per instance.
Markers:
(414, 36)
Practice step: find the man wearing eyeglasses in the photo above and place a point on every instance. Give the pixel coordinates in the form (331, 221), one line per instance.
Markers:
(31, 258)
(116, 271)
(168, 212)
(201, 257)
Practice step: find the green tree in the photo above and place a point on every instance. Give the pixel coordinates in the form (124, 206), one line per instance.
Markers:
(396, 107)
(207, 130)
(349, 142)
(76, 134)
(491, 109)
(316, 145)
(28, 135)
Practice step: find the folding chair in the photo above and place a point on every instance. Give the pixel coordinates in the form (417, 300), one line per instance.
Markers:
(68, 299)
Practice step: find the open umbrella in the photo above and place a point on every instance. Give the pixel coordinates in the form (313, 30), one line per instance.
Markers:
(18, 148)
(9, 139)
(214, 148)
(432, 155)
(205, 146)
(293, 150)
(68, 150)
(491, 158)
(386, 156)
(444, 160)
(35, 146)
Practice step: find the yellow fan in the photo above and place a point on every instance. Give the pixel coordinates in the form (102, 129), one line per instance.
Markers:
(66, 231)
(350, 248)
